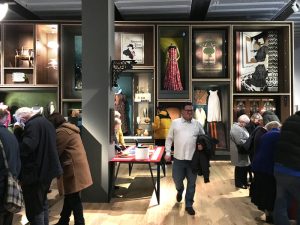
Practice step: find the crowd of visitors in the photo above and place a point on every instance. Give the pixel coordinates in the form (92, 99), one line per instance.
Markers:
(38, 150)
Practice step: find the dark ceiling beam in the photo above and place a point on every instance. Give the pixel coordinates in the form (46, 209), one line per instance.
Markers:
(118, 16)
(199, 10)
(22, 11)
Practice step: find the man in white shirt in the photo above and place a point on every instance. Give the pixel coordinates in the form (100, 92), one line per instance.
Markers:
(183, 133)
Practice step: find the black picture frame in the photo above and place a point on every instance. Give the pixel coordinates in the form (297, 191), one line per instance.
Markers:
(209, 57)
(173, 69)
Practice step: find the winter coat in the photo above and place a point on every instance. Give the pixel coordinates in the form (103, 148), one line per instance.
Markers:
(200, 160)
(12, 152)
(39, 158)
(263, 160)
(238, 136)
(72, 155)
(288, 147)
(161, 125)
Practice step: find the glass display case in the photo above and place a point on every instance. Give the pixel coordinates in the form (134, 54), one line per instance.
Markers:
(134, 100)
(18, 49)
(47, 54)
(173, 62)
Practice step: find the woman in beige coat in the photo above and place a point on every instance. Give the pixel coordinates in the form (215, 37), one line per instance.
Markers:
(76, 169)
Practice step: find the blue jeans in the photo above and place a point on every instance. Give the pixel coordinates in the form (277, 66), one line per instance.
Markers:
(181, 170)
(36, 203)
(288, 187)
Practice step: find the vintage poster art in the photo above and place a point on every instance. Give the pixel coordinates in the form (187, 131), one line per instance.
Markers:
(208, 53)
(132, 47)
(257, 61)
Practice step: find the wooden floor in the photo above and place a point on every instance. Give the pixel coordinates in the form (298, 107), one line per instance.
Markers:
(217, 202)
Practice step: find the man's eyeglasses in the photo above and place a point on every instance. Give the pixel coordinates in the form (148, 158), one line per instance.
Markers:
(188, 110)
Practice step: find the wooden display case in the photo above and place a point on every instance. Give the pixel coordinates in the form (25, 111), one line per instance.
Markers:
(173, 81)
(135, 43)
(47, 66)
(134, 99)
(225, 72)
(18, 54)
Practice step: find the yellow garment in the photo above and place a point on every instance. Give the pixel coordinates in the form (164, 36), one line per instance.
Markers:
(161, 125)
(120, 137)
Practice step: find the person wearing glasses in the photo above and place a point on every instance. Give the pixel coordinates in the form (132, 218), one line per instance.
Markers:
(183, 133)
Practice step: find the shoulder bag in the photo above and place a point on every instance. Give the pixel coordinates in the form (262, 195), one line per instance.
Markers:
(13, 196)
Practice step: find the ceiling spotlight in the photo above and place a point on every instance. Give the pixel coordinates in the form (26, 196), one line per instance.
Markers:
(3, 10)
(291, 7)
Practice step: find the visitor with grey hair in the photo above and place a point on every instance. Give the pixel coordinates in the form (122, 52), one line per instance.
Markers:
(12, 153)
(238, 136)
(287, 170)
(263, 187)
(40, 162)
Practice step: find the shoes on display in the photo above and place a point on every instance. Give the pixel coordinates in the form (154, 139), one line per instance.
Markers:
(190, 210)
(178, 197)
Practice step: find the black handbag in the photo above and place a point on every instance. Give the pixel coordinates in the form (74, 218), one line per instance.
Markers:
(13, 198)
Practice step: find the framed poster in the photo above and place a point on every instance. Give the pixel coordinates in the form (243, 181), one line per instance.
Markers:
(132, 47)
(209, 53)
(257, 61)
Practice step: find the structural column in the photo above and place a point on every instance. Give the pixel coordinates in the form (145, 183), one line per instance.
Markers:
(97, 97)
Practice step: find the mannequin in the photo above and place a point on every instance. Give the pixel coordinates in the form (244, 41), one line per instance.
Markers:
(172, 80)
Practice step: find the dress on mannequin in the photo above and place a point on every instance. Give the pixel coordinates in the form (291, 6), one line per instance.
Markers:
(200, 115)
(213, 107)
(172, 79)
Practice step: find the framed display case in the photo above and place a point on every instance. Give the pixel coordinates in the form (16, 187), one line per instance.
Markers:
(261, 54)
(209, 53)
(173, 62)
(19, 54)
(71, 61)
(211, 101)
(135, 43)
(134, 100)
(47, 54)
(259, 104)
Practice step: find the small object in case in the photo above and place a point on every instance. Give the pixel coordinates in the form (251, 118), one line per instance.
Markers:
(18, 77)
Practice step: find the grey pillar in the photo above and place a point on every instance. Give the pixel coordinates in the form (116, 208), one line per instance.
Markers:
(97, 98)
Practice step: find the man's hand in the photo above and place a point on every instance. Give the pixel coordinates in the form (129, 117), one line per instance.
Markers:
(200, 147)
(168, 158)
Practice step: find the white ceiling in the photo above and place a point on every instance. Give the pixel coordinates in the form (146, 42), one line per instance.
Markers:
(208, 10)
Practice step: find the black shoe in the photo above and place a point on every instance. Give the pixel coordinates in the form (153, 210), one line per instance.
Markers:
(190, 210)
(178, 197)
(206, 180)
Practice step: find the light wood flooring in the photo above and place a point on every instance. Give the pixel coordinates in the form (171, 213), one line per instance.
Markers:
(217, 202)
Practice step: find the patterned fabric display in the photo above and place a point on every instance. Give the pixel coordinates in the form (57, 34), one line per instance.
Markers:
(14, 196)
(13, 200)
(172, 78)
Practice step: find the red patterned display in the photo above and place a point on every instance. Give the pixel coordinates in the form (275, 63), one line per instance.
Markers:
(172, 78)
